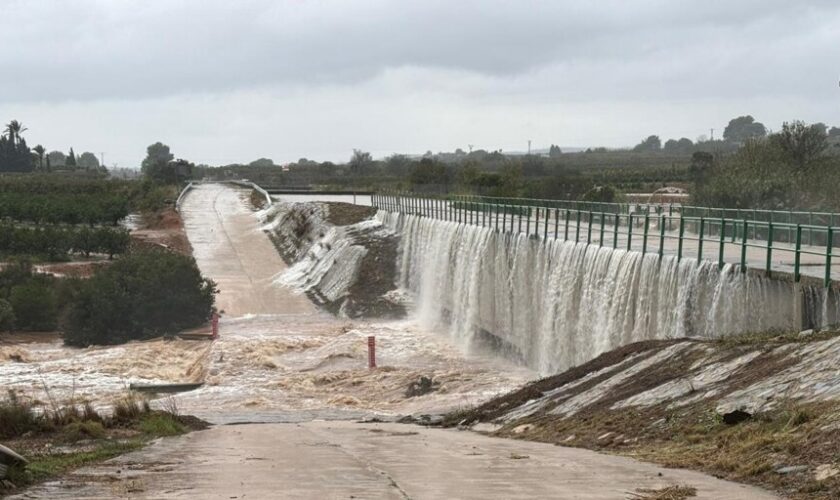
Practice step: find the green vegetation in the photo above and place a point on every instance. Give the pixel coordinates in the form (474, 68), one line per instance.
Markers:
(29, 300)
(17, 156)
(131, 425)
(57, 242)
(795, 168)
(56, 208)
(142, 295)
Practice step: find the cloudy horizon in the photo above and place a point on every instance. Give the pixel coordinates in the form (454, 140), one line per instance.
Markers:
(224, 82)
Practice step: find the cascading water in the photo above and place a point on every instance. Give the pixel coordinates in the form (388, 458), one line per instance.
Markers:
(556, 304)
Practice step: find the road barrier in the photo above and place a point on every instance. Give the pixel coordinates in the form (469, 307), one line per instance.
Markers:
(756, 239)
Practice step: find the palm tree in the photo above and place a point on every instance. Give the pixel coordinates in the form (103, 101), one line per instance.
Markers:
(13, 131)
(39, 150)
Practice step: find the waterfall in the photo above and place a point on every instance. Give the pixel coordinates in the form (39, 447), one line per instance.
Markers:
(555, 304)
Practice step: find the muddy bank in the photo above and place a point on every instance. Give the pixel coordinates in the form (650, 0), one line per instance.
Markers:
(764, 410)
(339, 255)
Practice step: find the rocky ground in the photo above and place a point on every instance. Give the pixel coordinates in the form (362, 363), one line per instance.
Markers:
(764, 411)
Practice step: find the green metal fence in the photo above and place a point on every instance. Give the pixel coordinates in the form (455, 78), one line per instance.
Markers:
(770, 245)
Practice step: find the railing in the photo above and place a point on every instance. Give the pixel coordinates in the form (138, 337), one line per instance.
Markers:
(751, 243)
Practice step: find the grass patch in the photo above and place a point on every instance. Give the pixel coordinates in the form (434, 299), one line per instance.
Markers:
(87, 436)
(773, 338)
(44, 467)
(77, 431)
(161, 424)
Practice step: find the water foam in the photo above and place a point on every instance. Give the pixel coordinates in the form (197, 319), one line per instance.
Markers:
(556, 304)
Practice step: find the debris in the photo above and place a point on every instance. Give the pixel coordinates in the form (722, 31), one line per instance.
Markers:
(423, 386)
(826, 471)
(676, 492)
(735, 417)
(792, 469)
(517, 456)
(521, 429)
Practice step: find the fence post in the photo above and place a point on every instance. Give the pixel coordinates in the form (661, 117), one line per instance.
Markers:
(566, 230)
(545, 224)
(796, 258)
(744, 248)
(661, 234)
(528, 222)
(629, 230)
(700, 240)
(589, 228)
(577, 226)
(829, 239)
(768, 264)
(680, 239)
(645, 235)
(615, 230)
(556, 222)
(722, 242)
(601, 233)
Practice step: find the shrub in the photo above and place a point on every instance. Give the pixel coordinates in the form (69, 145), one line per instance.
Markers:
(34, 306)
(145, 294)
(76, 431)
(16, 417)
(7, 315)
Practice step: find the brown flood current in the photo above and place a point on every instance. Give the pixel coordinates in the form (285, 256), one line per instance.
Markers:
(278, 358)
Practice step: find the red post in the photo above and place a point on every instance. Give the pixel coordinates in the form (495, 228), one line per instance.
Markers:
(371, 352)
(214, 321)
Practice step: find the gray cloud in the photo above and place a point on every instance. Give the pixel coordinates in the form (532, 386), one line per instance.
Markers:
(129, 49)
(493, 71)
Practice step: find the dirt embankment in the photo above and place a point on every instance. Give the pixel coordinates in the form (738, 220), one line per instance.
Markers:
(163, 228)
(762, 411)
(341, 257)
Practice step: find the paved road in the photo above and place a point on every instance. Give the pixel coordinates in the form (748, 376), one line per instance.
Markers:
(230, 248)
(332, 460)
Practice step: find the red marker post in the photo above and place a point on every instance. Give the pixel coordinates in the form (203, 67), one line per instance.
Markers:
(214, 321)
(371, 352)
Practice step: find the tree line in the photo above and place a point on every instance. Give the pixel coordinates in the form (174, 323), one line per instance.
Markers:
(64, 208)
(17, 156)
(57, 242)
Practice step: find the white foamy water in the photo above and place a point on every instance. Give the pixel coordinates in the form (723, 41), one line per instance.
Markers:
(557, 304)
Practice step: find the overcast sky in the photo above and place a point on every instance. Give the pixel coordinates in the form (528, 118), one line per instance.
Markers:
(231, 81)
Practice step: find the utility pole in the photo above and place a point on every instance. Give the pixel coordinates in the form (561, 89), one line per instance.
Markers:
(713, 134)
(529, 147)
(470, 146)
(102, 159)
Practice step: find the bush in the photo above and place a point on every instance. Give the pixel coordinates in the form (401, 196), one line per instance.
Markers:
(143, 295)
(7, 316)
(16, 417)
(34, 306)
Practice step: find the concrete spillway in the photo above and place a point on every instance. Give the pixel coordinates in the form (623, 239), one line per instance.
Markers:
(556, 304)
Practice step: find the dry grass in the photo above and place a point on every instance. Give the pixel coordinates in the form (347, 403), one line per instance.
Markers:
(676, 492)
(792, 434)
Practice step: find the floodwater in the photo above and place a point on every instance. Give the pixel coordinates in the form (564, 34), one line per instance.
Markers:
(278, 358)
(357, 199)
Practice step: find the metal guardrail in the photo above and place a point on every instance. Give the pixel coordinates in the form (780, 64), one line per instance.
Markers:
(254, 186)
(645, 230)
(183, 193)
